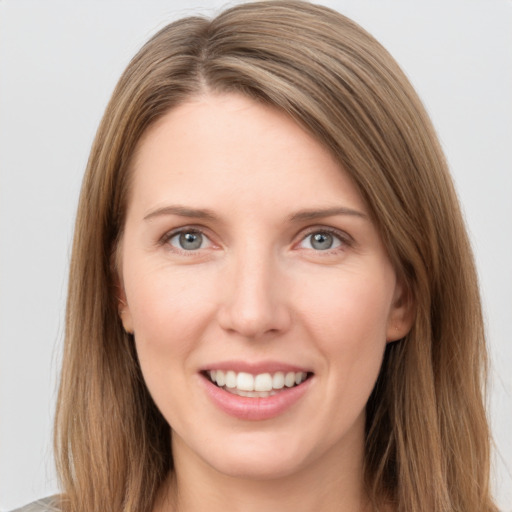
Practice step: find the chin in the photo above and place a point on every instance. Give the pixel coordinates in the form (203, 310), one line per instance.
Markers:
(257, 468)
(258, 459)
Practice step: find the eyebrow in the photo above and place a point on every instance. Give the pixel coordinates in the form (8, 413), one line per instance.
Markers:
(182, 211)
(306, 215)
(300, 216)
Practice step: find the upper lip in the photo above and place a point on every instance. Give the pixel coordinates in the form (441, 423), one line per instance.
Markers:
(255, 368)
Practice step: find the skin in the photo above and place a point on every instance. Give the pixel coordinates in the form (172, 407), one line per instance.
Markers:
(256, 290)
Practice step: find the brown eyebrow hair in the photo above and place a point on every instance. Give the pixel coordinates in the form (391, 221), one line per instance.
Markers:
(326, 212)
(303, 215)
(182, 211)
(200, 213)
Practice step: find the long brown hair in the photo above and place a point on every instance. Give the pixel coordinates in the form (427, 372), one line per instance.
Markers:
(427, 439)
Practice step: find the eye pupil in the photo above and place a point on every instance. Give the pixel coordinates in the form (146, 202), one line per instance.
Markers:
(190, 241)
(321, 241)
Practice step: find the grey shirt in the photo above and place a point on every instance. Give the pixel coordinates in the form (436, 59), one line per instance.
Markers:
(44, 505)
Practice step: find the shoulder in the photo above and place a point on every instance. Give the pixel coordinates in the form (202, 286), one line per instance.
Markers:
(49, 504)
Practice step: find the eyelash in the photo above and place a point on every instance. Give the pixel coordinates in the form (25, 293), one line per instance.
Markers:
(166, 239)
(344, 239)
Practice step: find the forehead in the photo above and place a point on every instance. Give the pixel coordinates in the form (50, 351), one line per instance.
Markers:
(233, 150)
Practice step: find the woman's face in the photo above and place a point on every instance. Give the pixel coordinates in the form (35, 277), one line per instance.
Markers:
(249, 264)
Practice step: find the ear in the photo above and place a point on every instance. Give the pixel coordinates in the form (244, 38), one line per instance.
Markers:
(124, 309)
(401, 314)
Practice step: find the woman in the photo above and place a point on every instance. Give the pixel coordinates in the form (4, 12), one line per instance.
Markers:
(272, 299)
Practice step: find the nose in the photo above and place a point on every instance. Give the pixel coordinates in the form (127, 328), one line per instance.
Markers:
(254, 300)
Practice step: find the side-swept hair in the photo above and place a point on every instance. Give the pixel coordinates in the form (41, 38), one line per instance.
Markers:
(427, 439)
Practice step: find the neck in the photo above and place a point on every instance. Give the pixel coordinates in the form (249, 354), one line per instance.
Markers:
(196, 486)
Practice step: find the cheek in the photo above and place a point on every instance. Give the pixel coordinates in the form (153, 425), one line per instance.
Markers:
(169, 323)
(348, 319)
(350, 303)
(167, 315)
(349, 325)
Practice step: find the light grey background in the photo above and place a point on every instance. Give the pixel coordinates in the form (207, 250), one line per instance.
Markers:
(59, 61)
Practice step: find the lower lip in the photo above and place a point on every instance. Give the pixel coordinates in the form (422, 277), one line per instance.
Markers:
(255, 409)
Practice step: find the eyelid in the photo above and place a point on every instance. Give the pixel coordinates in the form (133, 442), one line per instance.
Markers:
(167, 236)
(345, 239)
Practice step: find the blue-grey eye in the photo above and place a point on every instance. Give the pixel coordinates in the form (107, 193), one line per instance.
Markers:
(321, 241)
(188, 240)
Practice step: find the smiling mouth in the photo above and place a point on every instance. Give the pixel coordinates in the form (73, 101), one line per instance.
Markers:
(256, 386)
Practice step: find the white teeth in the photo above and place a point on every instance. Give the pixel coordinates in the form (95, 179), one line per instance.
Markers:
(299, 377)
(252, 394)
(263, 384)
(230, 379)
(245, 382)
(289, 379)
(278, 380)
(219, 377)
